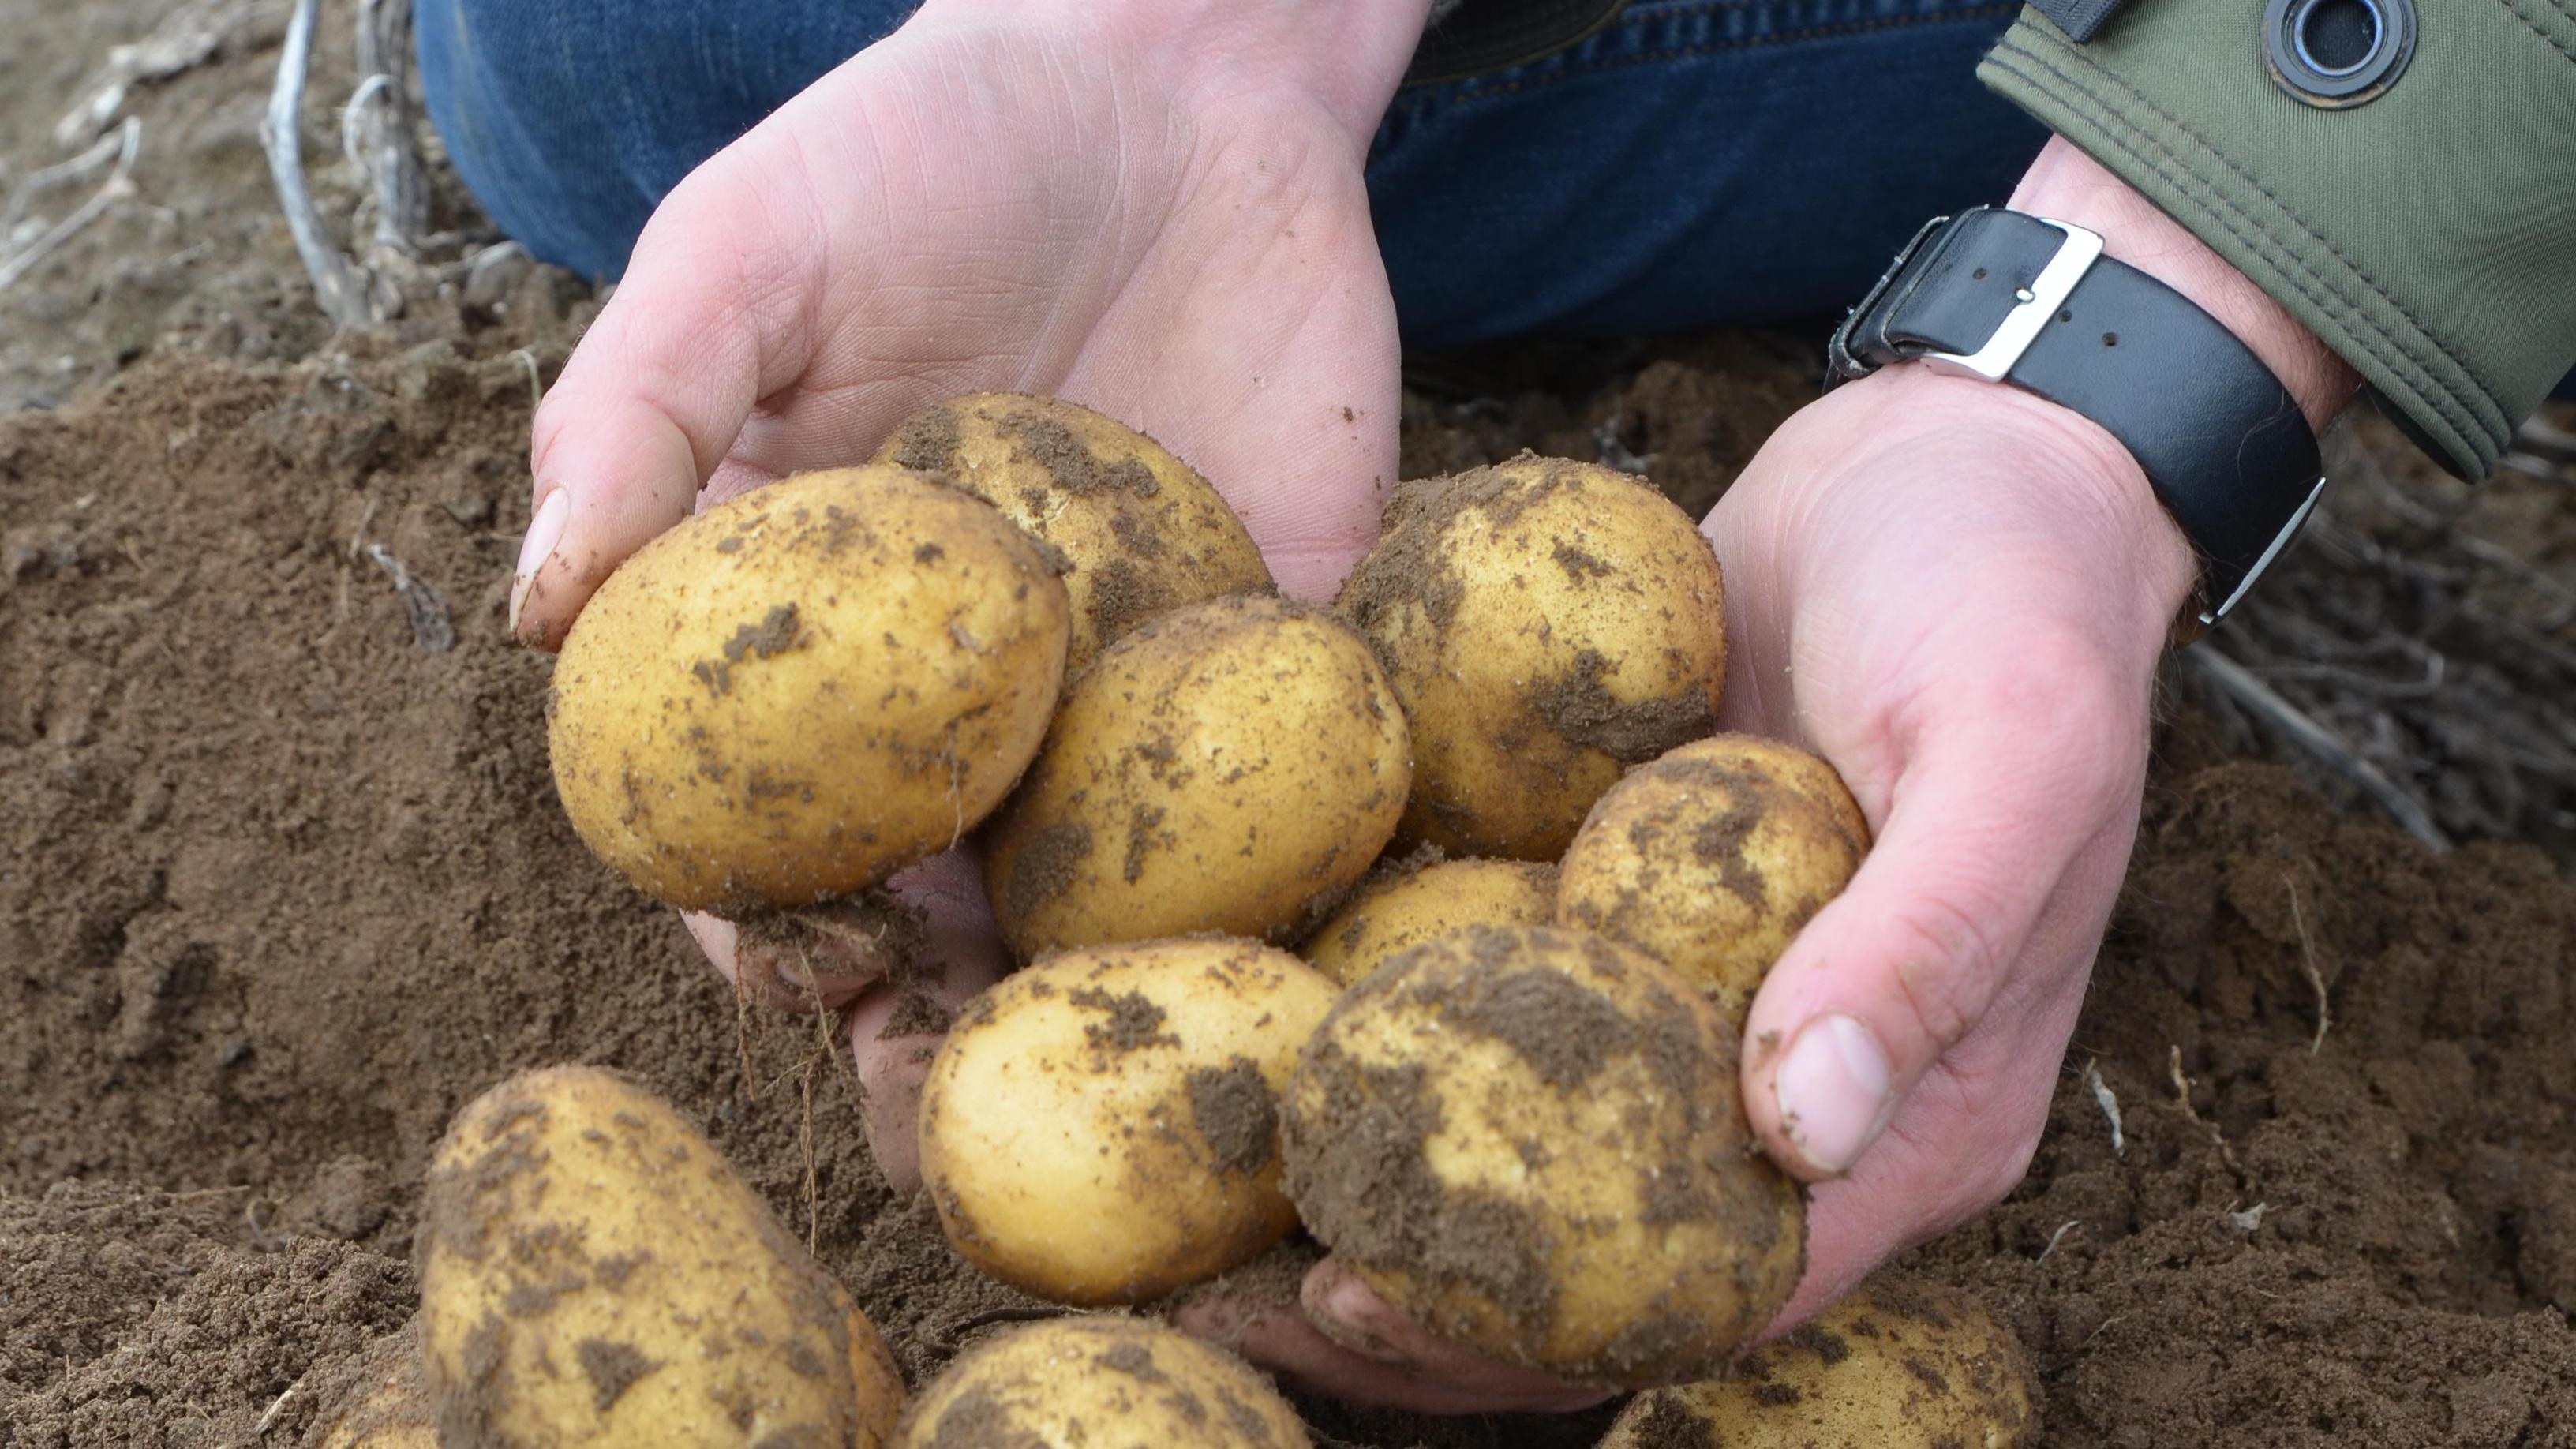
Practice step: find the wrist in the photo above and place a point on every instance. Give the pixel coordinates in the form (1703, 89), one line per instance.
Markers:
(1346, 55)
(2090, 496)
(2067, 185)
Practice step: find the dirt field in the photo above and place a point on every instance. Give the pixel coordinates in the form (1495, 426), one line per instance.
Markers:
(281, 887)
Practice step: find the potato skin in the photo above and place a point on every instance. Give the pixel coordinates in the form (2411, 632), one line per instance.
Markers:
(1102, 1127)
(593, 1272)
(1529, 1140)
(1087, 1383)
(1408, 907)
(1144, 533)
(1231, 766)
(1546, 624)
(1712, 857)
(797, 692)
(1900, 1364)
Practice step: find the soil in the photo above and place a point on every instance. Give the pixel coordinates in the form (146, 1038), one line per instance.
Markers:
(283, 882)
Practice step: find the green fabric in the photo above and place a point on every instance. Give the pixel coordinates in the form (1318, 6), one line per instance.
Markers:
(2429, 236)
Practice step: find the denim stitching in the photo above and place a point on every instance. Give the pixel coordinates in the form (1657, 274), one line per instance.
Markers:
(2459, 411)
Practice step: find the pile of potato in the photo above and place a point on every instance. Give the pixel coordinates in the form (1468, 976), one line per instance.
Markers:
(1427, 922)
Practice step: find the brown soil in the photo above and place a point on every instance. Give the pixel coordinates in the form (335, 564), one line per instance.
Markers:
(282, 885)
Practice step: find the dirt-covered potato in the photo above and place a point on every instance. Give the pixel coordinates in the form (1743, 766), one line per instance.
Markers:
(1901, 1364)
(797, 692)
(1546, 625)
(593, 1272)
(1712, 857)
(1103, 1126)
(1100, 1383)
(1142, 531)
(1529, 1140)
(379, 1403)
(1406, 905)
(1231, 766)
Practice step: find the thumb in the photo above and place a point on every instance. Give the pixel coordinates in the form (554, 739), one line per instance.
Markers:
(1992, 803)
(714, 313)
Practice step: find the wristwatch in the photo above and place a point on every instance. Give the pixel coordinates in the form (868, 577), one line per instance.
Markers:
(2022, 299)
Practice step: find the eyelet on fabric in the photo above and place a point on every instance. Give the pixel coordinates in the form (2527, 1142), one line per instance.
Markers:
(2335, 54)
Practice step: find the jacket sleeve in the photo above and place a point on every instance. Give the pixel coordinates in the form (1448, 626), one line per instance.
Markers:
(2427, 234)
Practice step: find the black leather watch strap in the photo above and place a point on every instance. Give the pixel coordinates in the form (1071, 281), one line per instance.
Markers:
(2018, 299)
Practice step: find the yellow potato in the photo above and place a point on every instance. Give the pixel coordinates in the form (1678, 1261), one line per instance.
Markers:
(1232, 766)
(383, 1406)
(1100, 1383)
(1712, 858)
(1142, 531)
(1529, 1140)
(592, 1272)
(798, 692)
(1102, 1127)
(1901, 1364)
(1546, 624)
(1406, 907)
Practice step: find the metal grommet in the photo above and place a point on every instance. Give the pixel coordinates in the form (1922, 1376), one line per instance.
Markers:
(2338, 53)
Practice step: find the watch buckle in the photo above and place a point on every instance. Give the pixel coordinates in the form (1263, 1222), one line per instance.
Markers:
(2280, 544)
(2035, 304)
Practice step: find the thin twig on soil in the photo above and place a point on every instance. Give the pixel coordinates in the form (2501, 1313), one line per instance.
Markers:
(2109, 1104)
(813, 1176)
(260, 1430)
(117, 187)
(2316, 978)
(342, 293)
(2182, 1098)
(2068, 1226)
(382, 133)
(425, 607)
(2240, 685)
(61, 173)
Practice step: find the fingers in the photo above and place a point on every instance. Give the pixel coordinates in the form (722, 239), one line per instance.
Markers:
(2023, 759)
(1346, 1342)
(896, 1026)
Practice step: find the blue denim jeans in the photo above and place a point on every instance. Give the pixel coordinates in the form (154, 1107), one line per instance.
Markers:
(1697, 162)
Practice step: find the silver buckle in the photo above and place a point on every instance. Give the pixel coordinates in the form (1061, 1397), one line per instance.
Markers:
(2280, 544)
(2038, 302)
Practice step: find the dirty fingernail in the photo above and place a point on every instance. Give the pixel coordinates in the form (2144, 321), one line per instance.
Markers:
(544, 532)
(1835, 1093)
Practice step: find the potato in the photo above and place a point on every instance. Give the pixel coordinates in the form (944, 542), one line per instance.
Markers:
(381, 1405)
(1901, 1364)
(1232, 766)
(1098, 1382)
(796, 693)
(592, 1272)
(1142, 531)
(1102, 1127)
(1408, 905)
(1711, 858)
(1529, 1140)
(1546, 624)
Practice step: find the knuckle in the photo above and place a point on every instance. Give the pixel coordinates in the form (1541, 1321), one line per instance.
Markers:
(1948, 957)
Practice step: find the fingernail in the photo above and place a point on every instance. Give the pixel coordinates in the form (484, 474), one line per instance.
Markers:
(1338, 1310)
(1834, 1092)
(544, 532)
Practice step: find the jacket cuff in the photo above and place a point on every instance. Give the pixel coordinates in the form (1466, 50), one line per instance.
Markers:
(2427, 236)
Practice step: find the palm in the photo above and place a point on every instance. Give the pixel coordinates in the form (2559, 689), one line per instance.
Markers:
(960, 209)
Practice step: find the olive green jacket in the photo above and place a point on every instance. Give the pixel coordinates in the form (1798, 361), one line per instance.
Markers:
(2423, 226)
(2427, 234)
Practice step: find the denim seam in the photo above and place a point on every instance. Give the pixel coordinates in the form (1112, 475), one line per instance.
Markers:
(1584, 70)
(2456, 408)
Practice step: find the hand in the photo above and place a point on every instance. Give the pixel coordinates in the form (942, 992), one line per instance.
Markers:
(1957, 592)
(1154, 207)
